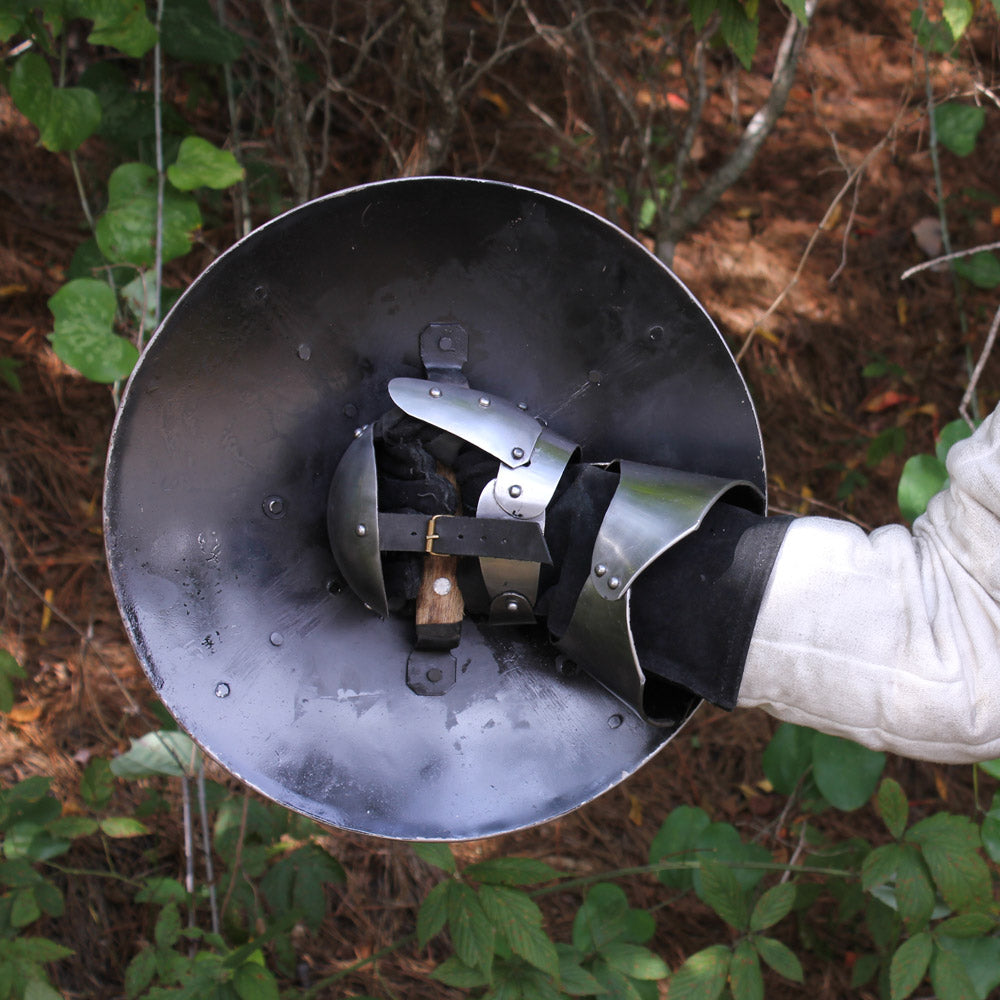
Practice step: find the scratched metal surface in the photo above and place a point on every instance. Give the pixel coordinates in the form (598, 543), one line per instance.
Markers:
(250, 392)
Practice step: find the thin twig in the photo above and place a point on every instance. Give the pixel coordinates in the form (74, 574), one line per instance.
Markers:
(161, 174)
(133, 705)
(821, 228)
(206, 845)
(237, 856)
(917, 268)
(968, 396)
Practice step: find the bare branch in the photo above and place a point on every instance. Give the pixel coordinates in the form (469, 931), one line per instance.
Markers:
(758, 128)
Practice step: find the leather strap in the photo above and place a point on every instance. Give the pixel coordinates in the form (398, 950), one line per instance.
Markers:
(445, 534)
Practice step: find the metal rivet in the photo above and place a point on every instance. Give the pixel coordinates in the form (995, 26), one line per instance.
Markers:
(350, 410)
(614, 583)
(600, 569)
(484, 401)
(358, 431)
(361, 530)
(434, 675)
(442, 586)
(277, 638)
(517, 453)
(222, 690)
(594, 376)
(522, 406)
(304, 352)
(513, 606)
(655, 332)
(614, 721)
(515, 491)
(274, 506)
(435, 392)
(446, 344)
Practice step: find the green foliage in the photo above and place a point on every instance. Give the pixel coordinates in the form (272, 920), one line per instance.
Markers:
(148, 219)
(958, 126)
(924, 475)
(841, 772)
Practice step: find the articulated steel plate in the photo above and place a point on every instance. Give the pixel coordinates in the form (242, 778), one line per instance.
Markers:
(227, 440)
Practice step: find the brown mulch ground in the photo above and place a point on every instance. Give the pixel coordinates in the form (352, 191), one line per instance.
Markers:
(87, 695)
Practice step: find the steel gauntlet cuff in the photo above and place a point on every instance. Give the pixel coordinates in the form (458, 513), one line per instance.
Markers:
(652, 510)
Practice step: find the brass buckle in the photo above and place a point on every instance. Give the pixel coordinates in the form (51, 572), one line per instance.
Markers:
(432, 534)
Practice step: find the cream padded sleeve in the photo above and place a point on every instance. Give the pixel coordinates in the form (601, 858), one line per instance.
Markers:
(892, 639)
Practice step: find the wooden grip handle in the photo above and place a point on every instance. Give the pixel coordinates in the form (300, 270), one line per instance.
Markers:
(440, 605)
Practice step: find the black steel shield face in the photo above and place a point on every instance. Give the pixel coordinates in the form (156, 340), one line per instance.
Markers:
(236, 418)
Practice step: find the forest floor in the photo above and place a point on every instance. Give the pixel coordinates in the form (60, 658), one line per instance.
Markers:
(858, 99)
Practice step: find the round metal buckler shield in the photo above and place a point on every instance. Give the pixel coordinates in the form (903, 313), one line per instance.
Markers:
(239, 412)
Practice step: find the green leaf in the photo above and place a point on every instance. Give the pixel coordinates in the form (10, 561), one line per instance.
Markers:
(200, 164)
(438, 855)
(702, 976)
(123, 25)
(780, 957)
(720, 889)
(511, 871)
(253, 981)
(9, 669)
(933, 36)
(745, 979)
(952, 433)
(949, 978)
(845, 772)
(8, 375)
(140, 971)
(168, 926)
(126, 233)
(701, 11)
(982, 269)
(788, 756)
(798, 8)
(958, 126)
(909, 964)
(433, 913)
(739, 30)
(721, 842)
(613, 984)
(73, 826)
(191, 32)
(966, 925)
(472, 933)
(955, 834)
(161, 890)
(573, 977)
(84, 338)
(923, 476)
(602, 918)
(979, 957)
(38, 989)
(454, 972)
(42, 951)
(64, 116)
(634, 961)
(990, 830)
(893, 806)
(675, 841)
(97, 783)
(880, 866)
(24, 908)
(773, 906)
(166, 751)
(914, 893)
(123, 826)
(864, 968)
(957, 14)
(519, 921)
